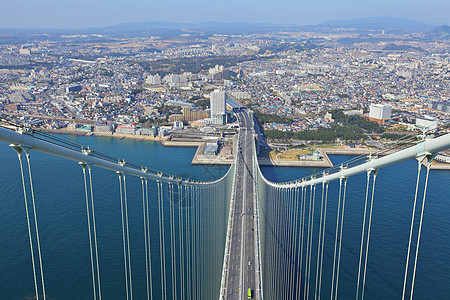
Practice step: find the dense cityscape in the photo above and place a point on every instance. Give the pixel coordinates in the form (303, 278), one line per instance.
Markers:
(291, 78)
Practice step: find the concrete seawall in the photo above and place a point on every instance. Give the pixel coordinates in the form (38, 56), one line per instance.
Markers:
(201, 159)
(107, 134)
(352, 151)
(436, 166)
(324, 162)
(169, 143)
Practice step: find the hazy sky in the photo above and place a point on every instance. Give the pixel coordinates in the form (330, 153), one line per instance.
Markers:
(95, 13)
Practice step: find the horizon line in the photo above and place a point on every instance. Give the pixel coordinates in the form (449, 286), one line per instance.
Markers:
(216, 22)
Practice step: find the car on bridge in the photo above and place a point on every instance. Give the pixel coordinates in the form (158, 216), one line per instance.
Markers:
(250, 294)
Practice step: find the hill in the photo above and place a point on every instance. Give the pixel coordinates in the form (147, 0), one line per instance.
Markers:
(442, 32)
(381, 23)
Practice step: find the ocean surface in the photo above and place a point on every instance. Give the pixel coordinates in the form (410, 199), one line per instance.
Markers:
(61, 212)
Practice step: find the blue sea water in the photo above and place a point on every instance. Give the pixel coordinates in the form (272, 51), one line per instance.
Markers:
(65, 247)
(392, 209)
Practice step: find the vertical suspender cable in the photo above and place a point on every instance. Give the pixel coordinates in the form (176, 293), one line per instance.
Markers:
(197, 223)
(295, 203)
(208, 265)
(336, 237)
(189, 239)
(192, 221)
(268, 250)
(148, 240)
(143, 183)
(194, 242)
(128, 233)
(312, 231)
(197, 241)
(95, 232)
(369, 172)
(294, 242)
(323, 240)
(172, 242)
(270, 233)
(180, 233)
(282, 236)
(194, 237)
(188, 242)
(282, 239)
(308, 240)
(369, 225)
(420, 227)
(302, 216)
(199, 262)
(319, 239)
(419, 161)
(196, 257)
(291, 242)
(161, 241)
(192, 231)
(121, 187)
(27, 154)
(19, 154)
(295, 292)
(191, 242)
(272, 240)
(213, 191)
(287, 240)
(279, 245)
(276, 244)
(340, 238)
(89, 231)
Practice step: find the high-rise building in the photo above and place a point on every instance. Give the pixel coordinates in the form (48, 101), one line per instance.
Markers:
(380, 111)
(217, 99)
(218, 110)
(153, 79)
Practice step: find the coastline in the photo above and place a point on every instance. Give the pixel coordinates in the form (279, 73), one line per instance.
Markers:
(324, 162)
(352, 151)
(435, 165)
(202, 159)
(106, 134)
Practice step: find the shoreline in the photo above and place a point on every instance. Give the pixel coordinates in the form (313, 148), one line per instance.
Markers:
(106, 134)
(201, 159)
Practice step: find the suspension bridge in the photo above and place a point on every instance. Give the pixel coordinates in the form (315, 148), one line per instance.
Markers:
(238, 237)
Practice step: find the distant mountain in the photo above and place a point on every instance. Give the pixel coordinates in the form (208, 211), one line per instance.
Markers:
(382, 23)
(132, 30)
(442, 32)
(395, 47)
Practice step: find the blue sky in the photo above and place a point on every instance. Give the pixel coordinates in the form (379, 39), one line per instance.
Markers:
(96, 13)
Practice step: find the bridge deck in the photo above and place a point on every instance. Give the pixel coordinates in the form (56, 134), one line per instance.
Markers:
(242, 269)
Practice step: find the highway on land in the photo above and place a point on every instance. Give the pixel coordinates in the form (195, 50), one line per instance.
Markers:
(242, 262)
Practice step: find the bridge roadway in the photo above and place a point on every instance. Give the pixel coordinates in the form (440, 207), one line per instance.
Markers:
(242, 268)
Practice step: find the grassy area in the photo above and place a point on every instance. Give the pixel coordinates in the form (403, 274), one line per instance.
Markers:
(293, 154)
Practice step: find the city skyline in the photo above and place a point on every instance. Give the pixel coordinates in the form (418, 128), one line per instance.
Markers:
(88, 14)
